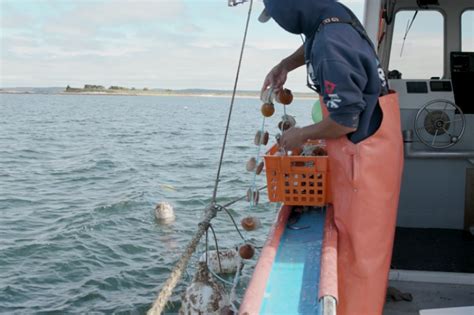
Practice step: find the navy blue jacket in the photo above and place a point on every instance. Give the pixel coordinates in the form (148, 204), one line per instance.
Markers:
(341, 61)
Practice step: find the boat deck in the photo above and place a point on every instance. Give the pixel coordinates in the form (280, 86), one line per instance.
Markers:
(429, 296)
(442, 250)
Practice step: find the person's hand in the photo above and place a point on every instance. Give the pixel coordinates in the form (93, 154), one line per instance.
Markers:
(293, 138)
(276, 78)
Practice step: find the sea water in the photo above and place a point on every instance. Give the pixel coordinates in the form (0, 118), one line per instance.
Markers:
(80, 176)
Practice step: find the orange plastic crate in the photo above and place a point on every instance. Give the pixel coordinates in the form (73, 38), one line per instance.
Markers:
(297, 180)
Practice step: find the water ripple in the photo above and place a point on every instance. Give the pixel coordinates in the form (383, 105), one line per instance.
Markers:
(80, 176)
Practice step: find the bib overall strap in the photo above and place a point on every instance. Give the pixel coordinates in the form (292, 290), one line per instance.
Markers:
(360, 29)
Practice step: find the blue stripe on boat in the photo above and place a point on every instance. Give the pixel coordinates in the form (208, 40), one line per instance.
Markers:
(293, 285)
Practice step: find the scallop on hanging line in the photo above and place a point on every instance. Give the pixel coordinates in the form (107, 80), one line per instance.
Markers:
(268, 109)
(253, 196)
(205, 295)
(259, 169)
(285, 97)
(246, 251)
(251, 164)
(261, 138)
(250, 223)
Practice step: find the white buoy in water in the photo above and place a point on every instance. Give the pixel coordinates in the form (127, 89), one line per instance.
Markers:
(164, 212)
(230, 260)
(204, 295)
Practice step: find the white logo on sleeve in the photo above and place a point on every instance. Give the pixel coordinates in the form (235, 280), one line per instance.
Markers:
(382, 77)
(334, 101)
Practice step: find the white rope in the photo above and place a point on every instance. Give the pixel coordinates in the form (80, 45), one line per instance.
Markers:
(232, 294)
(210, 212)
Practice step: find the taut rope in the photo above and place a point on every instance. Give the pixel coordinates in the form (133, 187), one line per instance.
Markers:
(210, 211)
(214, 194)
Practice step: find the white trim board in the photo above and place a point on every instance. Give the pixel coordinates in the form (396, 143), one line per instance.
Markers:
(469, 310)
(432, 277)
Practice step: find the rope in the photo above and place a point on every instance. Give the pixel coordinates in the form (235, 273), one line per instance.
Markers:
(232, 294)
(259, 148)
(217, 248)
(241, 198)
(235, 224)
(210, 211)
(214, 194)
(181, 265)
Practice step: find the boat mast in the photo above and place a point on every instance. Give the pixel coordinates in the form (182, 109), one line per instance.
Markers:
(372, 11)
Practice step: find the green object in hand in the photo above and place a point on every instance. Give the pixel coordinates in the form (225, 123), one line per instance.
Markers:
(316, 112)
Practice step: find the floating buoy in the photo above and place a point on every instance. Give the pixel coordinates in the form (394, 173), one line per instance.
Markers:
(285, 97)
(268, 109)
(164, 212)
(230, 260)
(250, 223)
(246, 251)
(259, 168)
(204, 295)
(251, 164)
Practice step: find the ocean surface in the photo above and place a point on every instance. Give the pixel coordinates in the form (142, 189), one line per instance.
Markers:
(80, 176)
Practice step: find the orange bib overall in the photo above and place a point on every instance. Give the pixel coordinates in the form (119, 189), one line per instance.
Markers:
(365, 184)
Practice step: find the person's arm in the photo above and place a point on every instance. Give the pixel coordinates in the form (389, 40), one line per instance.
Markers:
(325, 129)
(295, 60)
(343, 96)
(276, 78)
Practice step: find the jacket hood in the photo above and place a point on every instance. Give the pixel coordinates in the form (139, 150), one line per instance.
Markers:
(298, 16)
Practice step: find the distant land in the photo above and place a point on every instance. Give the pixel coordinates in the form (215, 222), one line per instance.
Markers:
(90, 89)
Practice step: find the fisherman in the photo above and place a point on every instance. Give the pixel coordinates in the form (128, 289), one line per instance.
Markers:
(361, 126)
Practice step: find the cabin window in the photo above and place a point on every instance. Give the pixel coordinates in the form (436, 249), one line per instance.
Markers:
(418, 44)
(468, 31)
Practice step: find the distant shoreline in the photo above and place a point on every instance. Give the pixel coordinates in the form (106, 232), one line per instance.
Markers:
(150, 93)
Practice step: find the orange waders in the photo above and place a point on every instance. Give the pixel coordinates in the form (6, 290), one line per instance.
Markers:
(365, 184)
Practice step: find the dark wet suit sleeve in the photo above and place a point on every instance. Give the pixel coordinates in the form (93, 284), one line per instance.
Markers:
(342, 90)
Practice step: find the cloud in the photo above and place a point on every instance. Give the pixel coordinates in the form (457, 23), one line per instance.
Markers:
(425, 53)
(86, 18)
(160, 43)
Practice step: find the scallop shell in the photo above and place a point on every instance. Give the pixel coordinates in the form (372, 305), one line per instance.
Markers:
(258, 138)
(256, 197)
(284, 125)
(251, 164)
(246, 251)
(259, 168)
(253, 196)
(249, 194)
(250, 223)
(265, 138)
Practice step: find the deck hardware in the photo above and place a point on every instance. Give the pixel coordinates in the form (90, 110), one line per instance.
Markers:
(440, 124)
(233, 3)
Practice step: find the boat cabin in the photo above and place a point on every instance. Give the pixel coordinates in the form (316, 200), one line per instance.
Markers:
(427, 50)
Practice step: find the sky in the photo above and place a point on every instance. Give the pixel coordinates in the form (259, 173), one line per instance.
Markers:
(173, 44)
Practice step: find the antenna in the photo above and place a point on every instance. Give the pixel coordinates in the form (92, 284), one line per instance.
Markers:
(233, 3)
